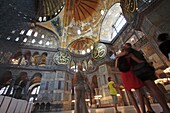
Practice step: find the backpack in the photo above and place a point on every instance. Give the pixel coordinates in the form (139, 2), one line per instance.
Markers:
(123, 65)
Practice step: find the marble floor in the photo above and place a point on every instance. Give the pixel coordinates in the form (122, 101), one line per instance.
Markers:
(123, 109)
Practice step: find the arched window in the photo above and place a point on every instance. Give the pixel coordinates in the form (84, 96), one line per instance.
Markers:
(112, 24)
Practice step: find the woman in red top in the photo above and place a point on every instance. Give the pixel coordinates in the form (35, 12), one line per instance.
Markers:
(130, 82)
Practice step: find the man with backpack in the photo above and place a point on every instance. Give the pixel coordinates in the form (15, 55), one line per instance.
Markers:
(147, 75)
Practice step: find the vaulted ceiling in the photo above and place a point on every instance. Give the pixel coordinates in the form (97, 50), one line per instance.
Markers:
(19, 15)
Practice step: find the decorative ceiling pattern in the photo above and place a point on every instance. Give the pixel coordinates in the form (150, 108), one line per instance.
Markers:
(81, 46)
(48, 9)
(85, 9)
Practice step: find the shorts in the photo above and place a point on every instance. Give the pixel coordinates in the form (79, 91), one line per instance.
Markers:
(148, 76)
(114, 97)
(146, 73)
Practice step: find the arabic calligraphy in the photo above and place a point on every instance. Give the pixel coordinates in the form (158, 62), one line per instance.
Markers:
(99, 51)
(129, 8)
(62, 58)
(131, 5)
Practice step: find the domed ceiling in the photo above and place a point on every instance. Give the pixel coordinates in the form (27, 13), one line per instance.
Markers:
(81, 46)
(85, 9)
(79, 19)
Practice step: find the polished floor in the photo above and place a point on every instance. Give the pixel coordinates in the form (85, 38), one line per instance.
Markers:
(123, 109)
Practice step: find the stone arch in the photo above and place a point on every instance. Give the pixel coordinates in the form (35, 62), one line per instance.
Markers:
(90, 64)
(43, 59)
(20, 83)
(16, 58)
(35, 58)
(94, 84)
(6, 78)
(34, 85)
(6, 83)
(42, 106)
(36, 78)
(36, 107)
(48, 105)
(26, 58)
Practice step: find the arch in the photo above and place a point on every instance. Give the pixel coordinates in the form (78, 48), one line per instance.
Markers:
(94, 84)
(43, 59)
(42, 106)
(6, 77)
(84, 64)
(90, 64)
(16, 58)
(36, 107)
(34, 87)
(35, 58)
(48, 106)
(72, 65)
(36, 78)
(6, 82)
(26, 58)
(20, 83)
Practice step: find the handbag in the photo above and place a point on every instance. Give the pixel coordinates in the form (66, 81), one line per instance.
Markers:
(143, 68)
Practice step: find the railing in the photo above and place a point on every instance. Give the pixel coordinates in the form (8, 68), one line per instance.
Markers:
(12, 105)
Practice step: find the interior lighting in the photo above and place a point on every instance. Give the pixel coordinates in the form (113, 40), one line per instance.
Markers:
(167, 70)
(97, 96)
(45, 18)
(91, 47)
(118, 95)
(88, 50)
(83, 52)
(78, 32)
(123, 89)
(87, 100)
(132, 89)
(102, 12)
(40, 19)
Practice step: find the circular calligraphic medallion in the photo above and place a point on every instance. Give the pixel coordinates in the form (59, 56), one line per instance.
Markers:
(132, 5)
(129, 8)
(62, 57)
(99, 51)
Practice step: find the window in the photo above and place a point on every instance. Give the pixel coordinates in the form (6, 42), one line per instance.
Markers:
(112, 24)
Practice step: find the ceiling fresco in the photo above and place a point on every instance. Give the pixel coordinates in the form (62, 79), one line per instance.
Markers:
(74, 22)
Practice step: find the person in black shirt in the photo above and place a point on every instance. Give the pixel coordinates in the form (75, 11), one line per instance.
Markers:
(164, 44)
(147, 77)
